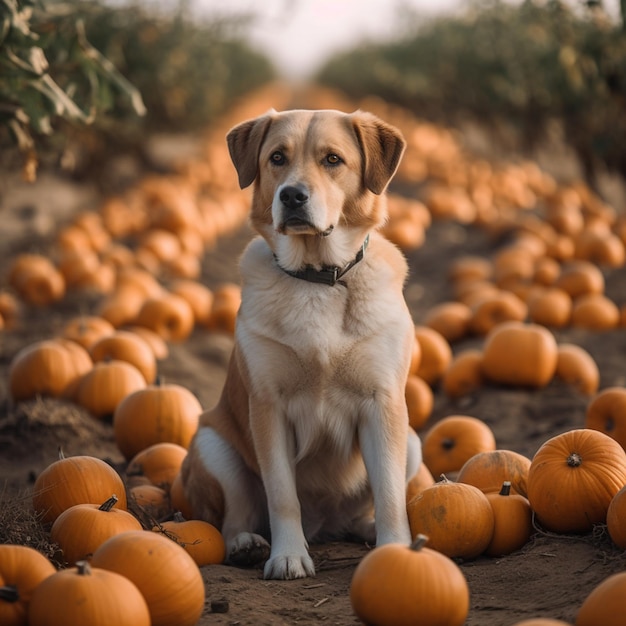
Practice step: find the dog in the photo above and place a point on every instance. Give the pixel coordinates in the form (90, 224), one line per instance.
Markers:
(310, 439)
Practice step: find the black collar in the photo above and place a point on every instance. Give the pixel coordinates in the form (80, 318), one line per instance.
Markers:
(329, 274)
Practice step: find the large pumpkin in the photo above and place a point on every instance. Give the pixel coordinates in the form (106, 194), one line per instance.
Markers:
(157, 414)
(399, 585)
(572, 479)
(605, 604)
(75, 480)
(84, 595)
(22, 570)
(615, 516)
(166, 575)
(520, 354)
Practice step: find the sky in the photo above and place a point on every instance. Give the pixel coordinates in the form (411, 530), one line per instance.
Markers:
(298, 35)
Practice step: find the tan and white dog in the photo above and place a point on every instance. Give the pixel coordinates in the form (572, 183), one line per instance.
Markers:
(311, 435)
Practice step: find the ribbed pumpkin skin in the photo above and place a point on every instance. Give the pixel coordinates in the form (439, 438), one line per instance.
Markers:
(513, 519)
(201, 540)
(615, 516)
(605, 604)
(100, 598)
(395, 585)
(572, 498)
(23, 568)
(607, 413)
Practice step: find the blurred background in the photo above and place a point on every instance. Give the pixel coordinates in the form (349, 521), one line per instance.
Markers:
(81, 81)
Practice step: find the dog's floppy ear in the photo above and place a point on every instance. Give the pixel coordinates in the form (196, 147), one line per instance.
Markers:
(382, 146)
(244, 143)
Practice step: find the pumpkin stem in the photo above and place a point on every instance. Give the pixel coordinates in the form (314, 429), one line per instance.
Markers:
(61, 455)
(83, 567)
(506, 488)
(448, 443)
(178, 517)
(443, 478)
(574, 460)
(9, 593)
(108, 504)
(419, 542)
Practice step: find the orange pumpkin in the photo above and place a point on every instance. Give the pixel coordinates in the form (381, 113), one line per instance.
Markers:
(594, 311)
(605, 604)
(615, 516)
(87, 595)
(488, 470)
(542, 621)
(87, 329)
(535, 350)
(168, 315)
(36, 279)
(550, 307)
(397, 585)
(22, 570)
(160, 463)
(576, 367)
(80, 529)
(176, 595)
(456, 517)
(226, 302)
(513, 521)
(493, 310)
(419, 400)
(75, 480)
(156, 414)
(580, 277)
(156, 342)
(151, 500)
(436, 354)
(199, 297)
(202, 541)
(450, 319)
(464, 374)
(422, 479)
(450, 442)
(573, 478)
(607, 413)
(178, 499)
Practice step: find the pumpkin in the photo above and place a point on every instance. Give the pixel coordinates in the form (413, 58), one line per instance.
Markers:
(450, 442)
(605, 604)
(399, 585)
(602, 248)
(199, 297)
(178, 498)
(573, 478)
(513, 521)
(436, 354)
(464, 374)
(226, 302)
(106, 385)
(594, 311)
(202, 541)
(160, 463)
(580, 277)
(419, 400)
(607, 413)
(577, 368)
(87, 329)
(542, 621)
(122, 306)
(36, 279)
(456, 517)
(488, 470)
(22, 570)
(449, 319)
(75, 480)
(87, 595)
(495, 309)
(9, 308)
(469, 268)
(156, 414)
(80, 529)
(168, 315)
(126, 346)
(51, 367)
(420, 480)
(551, 307)
(164, 244)
(151, 500)
(615, 516)
(535, 350)
(546, 271)
(155, 341)
(176, 595)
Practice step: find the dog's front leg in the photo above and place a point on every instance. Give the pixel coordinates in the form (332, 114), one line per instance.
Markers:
(275, 445)
(383, 433)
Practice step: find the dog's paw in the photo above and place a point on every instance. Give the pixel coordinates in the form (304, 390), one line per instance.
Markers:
(286, 567)
(248, 549)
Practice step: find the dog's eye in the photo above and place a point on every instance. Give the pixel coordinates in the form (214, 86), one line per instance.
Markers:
(332, 159)
(277, 158)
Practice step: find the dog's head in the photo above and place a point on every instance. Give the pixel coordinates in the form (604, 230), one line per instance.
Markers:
(318, 175)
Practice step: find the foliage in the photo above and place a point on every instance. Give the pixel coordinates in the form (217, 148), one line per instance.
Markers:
(516, 66)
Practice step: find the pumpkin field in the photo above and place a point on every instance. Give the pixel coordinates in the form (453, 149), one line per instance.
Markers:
(518, 293)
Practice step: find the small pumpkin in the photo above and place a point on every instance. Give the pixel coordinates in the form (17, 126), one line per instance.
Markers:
(199, 297)
(572, 479)
(201, 540)
(550, 307)
(151, 500)
(542, 621)
(75, 480)
(126, 346)
(36, 279)
(87, 595)
(160, 463)
(178, 499)
(493, 310)
(420, 480)
(535, 351)
(156, 414)
(605, 604)
(595, 311)
(615, 516)
(436, 354)
(451, 441)
(577, 368)
(154, 340)
(22, 570)
(464, 375)
(456, 517)
(398, 585)
(169, 315)
(580, 277)
(176, 595)
(488, 470)
(607, 413)
(80, 529)
(419, 400)
(450, 319)
(122, 306)
(226, 302)
(87, 329)
(513, 521)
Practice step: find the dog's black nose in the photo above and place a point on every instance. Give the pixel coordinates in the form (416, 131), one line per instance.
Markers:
(294, 196)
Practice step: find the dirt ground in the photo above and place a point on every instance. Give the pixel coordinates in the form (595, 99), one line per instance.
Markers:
(550, 577)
